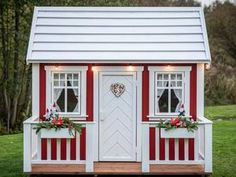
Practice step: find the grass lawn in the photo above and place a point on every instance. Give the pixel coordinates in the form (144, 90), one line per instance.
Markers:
(224, 145)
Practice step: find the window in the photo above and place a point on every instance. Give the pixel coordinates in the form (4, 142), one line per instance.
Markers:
(168, 92)
(66, 91)
(66, 87)
(169, 89)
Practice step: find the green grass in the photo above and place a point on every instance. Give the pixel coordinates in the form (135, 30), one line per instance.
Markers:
(224, 145)
(221, 112)
(11, 155)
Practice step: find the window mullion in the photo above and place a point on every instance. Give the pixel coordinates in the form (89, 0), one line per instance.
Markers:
(169, 95)
(65, 92)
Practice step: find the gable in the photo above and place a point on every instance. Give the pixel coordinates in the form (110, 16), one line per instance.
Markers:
(118, 34)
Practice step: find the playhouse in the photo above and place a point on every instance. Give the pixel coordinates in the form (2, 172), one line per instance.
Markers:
(118, 71)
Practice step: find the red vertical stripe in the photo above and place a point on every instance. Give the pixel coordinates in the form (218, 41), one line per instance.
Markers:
(63, 149)
(171, 149)
(145, 93)
(83, 144)
(193, 105)
(73, 149)
(42, 94)
(152, 145)
(89, 106)
(162, 147)
(54, 149)
(181, 149)
(44, 149)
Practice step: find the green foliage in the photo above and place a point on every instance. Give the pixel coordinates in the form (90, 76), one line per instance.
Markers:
(179, 122)
(67, 123)
(221, 112)
(220, 80)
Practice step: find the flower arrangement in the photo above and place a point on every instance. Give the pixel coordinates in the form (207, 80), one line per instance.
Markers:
(181, 121)
(53, 121)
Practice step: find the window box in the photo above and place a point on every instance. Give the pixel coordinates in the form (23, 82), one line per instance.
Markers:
(59, 133)
(177, 133)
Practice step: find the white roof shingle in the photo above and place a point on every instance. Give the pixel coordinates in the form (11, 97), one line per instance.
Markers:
(118, 34)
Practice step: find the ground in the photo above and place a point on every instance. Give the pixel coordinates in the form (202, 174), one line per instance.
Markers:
(224, 145)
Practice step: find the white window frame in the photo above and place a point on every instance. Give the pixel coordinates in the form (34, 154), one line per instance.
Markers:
(152, 87)
(82, 70)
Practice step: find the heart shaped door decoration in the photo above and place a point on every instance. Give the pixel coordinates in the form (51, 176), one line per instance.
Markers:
(117, 89)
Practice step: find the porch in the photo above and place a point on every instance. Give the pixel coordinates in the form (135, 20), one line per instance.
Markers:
(155, 158)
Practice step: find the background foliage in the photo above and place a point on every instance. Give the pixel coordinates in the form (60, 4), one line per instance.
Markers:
(15, 74)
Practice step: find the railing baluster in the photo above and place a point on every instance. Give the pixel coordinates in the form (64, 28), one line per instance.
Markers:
(166, 148)
(27, 147)
(58, 149)
(145, 148)
(157, 143)
(196, 145)
(49, 149)
(186, 149)
(77, 151)
(67, 149)
(208, 148)
(176, 149)
(39, 146)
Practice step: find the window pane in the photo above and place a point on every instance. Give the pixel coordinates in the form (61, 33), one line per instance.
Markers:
(56, 76)
(56, 83)
(172, 84)
(69, 83)
(62, 83)
(159, 76)
(75, 76)
(76, 83)
(173, 76)
(162, 100)
(159, 83)
(62, 76)
(59, 99)
(166, 77)
(179, 76)
(72, 100)
(179, 83)
(176, 99)
(69, 76)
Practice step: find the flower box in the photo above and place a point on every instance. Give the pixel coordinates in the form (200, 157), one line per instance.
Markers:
(177, 133)
(59, 133)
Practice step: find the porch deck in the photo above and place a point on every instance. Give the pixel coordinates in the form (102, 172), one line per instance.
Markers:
(115, 168)
(52, 163)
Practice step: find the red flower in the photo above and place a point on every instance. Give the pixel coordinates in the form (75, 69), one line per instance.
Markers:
(59, 121)
(175, 121)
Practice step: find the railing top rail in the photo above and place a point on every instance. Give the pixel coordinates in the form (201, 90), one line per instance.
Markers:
(31, 120)
(203, 120)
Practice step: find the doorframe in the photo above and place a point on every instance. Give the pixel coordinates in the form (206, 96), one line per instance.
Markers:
(96, 72)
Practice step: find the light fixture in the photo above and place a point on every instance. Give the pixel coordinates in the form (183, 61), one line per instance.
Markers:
(93, 67)
(130, 67)
(168, 67)
(56, 67)
(208, 66)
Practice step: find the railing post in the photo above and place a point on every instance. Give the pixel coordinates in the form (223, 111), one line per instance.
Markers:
(145, 148)
(27, 147)
(89, 147)
(208, 148)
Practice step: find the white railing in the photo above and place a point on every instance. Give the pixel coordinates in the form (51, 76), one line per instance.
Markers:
(33, 151)
(202, 146)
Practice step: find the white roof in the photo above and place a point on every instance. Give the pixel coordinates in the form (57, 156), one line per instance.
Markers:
(118, 34)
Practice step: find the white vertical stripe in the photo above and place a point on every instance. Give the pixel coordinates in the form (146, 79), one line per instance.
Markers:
(200, 90)
(48, 149)
(196, 145)
(77, 146)
(67, 149)
(176, 149)
(39, 147)
(145, 148)
(166, 148)
(157, 144)
(186, 149)
(58, 149)
(35, 89)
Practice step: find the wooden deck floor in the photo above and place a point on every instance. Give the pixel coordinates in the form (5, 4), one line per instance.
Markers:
(118, 168)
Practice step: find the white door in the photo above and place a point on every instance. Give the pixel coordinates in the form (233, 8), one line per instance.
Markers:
(117, 118)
